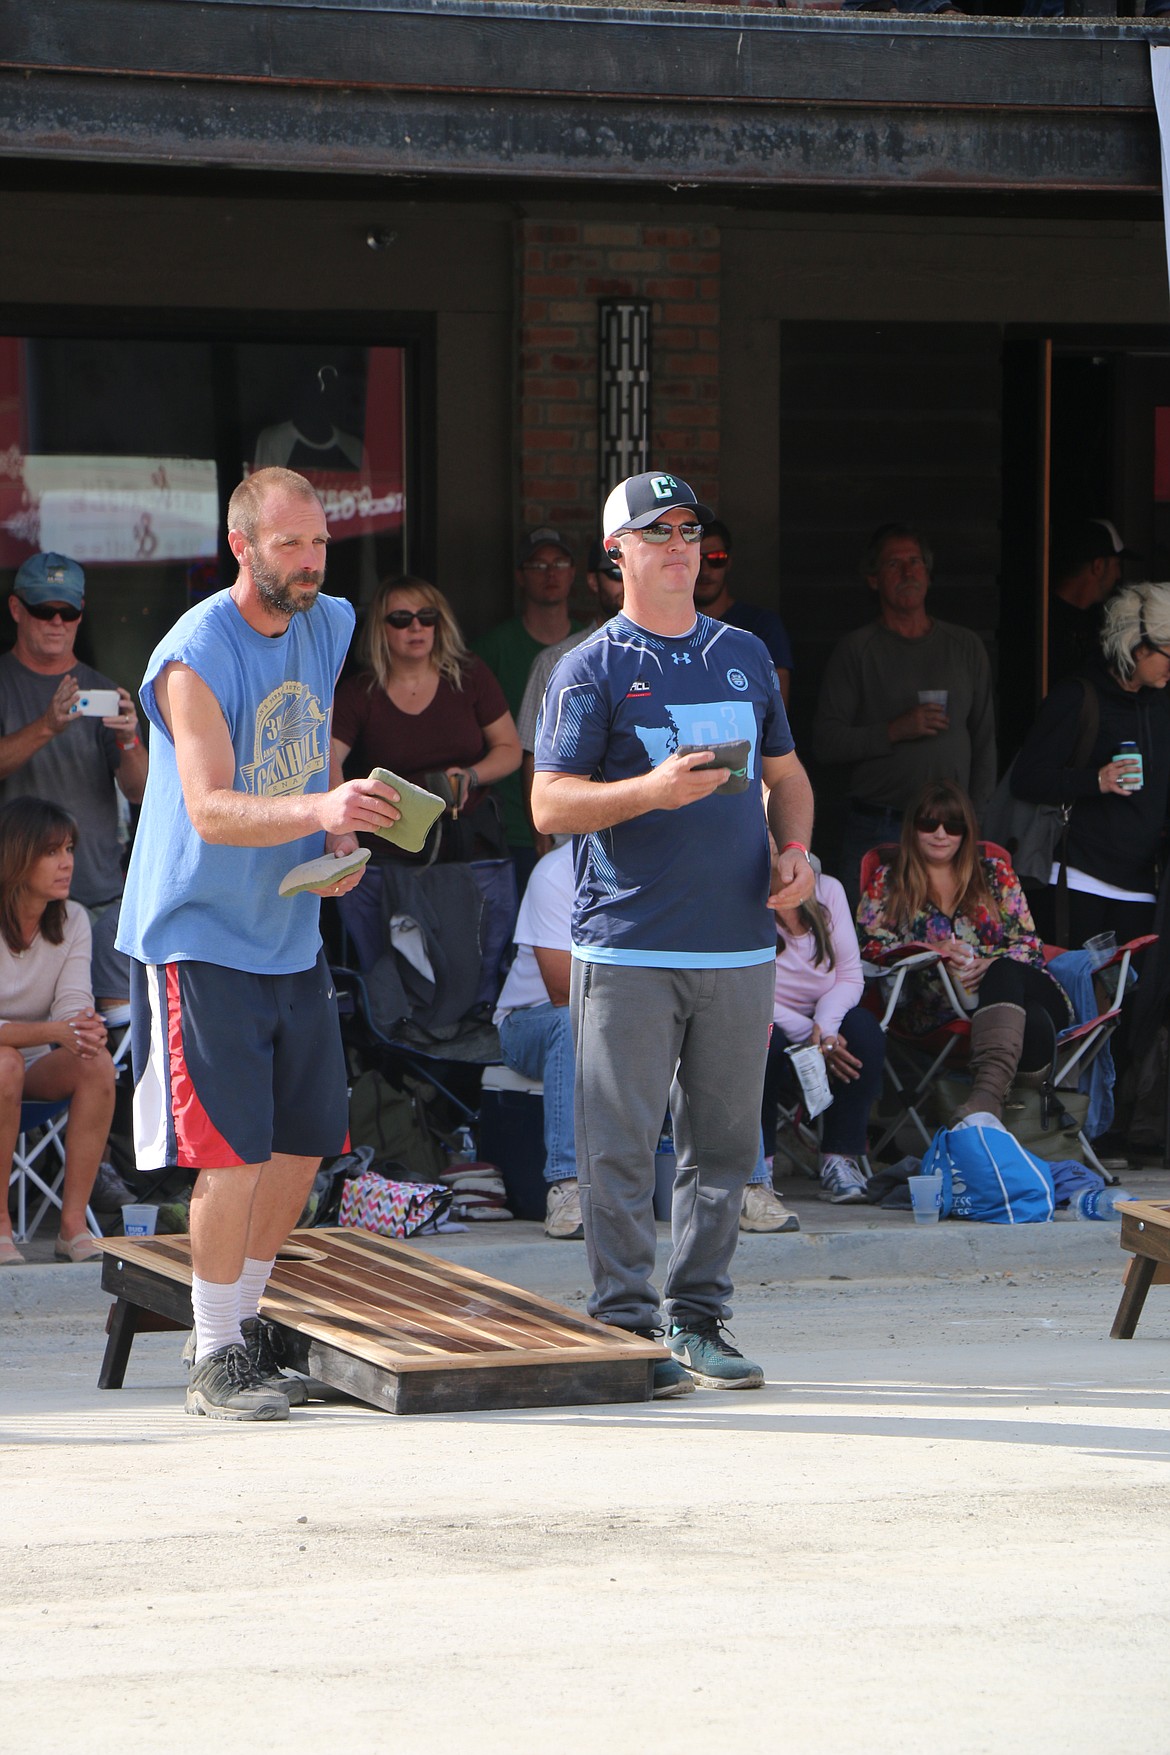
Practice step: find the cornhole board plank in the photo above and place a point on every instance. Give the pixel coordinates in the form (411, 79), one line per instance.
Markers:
(1145, 1232)
(392, 1325)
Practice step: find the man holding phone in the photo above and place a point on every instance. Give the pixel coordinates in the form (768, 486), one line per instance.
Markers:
(51, 749)
(673, 944)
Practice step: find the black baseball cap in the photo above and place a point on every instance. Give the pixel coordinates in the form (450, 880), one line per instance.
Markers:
(642, 499)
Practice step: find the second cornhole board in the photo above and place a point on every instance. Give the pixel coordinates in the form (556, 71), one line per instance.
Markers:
(394, 1326)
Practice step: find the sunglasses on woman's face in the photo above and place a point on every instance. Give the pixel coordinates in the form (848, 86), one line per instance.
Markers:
(952, 825)
(402, 618)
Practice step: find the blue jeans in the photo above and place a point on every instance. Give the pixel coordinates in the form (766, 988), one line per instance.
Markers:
(848, 1114)
(538, 1042)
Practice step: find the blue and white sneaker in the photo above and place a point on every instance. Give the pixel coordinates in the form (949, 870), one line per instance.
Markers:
(669, 1377)
(841, 1180)
(711, 1360)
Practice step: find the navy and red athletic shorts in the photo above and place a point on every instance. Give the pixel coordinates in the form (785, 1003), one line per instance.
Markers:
(230, 1067)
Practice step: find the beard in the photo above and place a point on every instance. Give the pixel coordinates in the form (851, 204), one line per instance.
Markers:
(276, 593)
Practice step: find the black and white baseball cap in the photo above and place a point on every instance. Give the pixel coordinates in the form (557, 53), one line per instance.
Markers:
(642, 499)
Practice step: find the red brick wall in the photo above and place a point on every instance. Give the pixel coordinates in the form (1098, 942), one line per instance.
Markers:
(563, 271)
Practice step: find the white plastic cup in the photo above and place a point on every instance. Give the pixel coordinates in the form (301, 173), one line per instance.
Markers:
(139, 1221)
(934, 698)
(926, 1199)
(1100, 948)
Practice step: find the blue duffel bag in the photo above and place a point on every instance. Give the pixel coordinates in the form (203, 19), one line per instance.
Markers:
(988, 1175)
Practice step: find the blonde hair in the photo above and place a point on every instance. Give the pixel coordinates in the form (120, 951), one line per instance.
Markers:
(246, 506)
(449, 654)
(908, 890)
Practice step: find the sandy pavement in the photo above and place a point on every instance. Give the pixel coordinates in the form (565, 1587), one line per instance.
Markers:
(944, 1524)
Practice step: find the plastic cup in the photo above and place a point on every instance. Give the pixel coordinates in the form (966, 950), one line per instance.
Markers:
(934, 698)
(1100, 948)
(139, 1221)
(926, 1199)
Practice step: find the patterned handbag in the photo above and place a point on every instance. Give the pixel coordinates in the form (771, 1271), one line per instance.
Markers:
(393, 1209)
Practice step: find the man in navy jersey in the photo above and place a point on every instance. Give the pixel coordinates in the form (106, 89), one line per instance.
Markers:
(673, 942)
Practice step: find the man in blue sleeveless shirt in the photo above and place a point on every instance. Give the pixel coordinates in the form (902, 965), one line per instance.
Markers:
(238, 1067)
(673, 942)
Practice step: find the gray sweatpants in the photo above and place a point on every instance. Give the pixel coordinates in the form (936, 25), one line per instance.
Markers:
(631, 1029)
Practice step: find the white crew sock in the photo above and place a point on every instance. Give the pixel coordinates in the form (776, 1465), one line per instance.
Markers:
(217, 1316)
(253, 1280)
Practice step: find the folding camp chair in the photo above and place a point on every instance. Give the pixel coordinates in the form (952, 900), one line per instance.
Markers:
(39, 1159)
(915, 1064)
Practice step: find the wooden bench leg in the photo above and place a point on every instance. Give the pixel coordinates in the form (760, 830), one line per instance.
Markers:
(121, 1327)
(1138, 1280)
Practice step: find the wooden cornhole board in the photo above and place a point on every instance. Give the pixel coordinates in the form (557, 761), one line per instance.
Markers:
(393, 1326)
(1145, 1230)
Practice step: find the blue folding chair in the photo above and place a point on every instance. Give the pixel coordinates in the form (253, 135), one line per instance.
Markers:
(42, 1130)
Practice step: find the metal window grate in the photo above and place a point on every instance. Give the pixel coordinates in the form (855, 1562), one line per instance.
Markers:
(623, 390)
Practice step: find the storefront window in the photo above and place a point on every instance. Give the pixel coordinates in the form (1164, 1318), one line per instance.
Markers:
(123, 454)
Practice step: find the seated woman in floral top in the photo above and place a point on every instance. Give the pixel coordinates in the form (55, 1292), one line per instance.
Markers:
(941, 890)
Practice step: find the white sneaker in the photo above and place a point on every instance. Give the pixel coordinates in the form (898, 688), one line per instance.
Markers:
(563, 1210)
(763, 1210)
(841, 1180)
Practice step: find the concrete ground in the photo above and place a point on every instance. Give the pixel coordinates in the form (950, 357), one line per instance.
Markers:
(942, 1525)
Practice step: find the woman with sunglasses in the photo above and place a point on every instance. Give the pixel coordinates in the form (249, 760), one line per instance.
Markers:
(424, 707)
(943, 890)
(52, 1040)
(1118, 807)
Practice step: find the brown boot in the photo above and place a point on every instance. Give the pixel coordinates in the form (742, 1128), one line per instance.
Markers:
(997, 1037)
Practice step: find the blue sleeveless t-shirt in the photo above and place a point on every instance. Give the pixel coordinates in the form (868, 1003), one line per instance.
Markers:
(187, 901)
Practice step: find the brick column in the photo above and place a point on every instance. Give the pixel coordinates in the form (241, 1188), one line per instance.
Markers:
(563, 271)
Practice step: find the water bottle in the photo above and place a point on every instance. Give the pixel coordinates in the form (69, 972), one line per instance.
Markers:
(1099, 1203)
(464, 1151)
(1130, 754)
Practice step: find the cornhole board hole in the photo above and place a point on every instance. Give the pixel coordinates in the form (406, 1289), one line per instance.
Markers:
(1145, 1232)
(393, 1326)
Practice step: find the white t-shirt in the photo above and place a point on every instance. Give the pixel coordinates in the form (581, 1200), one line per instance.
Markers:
(544, 920)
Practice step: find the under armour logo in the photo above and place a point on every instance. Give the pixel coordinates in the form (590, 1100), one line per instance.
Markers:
(681, 657)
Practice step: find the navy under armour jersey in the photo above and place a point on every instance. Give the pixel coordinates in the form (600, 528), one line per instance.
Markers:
(686, 888)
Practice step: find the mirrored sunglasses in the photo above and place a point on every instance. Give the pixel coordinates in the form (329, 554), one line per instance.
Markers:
(664, 532)
(716, 557)
(402, 618)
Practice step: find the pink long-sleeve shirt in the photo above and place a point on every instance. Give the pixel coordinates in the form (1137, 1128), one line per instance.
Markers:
(807, 994)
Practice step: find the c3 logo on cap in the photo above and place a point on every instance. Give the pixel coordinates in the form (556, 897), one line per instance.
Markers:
(663, 487)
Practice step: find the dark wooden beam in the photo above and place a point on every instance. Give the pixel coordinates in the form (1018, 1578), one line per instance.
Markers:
(477, 89)
(411, 134)
(694, 54)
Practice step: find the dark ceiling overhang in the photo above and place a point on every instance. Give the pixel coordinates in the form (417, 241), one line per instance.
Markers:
(719, 100)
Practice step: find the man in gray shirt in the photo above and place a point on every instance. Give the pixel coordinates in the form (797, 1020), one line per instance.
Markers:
(872, 714)
(50, 750)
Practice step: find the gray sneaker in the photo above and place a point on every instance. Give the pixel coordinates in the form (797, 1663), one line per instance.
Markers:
(265, 1349)
(224, 1386)
(563, 1210)
(842, 1181)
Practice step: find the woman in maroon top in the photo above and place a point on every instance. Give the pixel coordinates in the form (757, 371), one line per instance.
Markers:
(423, 706)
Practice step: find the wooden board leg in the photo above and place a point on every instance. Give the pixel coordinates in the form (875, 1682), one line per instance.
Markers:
(1138, 1280)
(121, 1327)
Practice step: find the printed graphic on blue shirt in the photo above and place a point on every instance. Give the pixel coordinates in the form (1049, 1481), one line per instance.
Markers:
(290, 742)
(682, 888)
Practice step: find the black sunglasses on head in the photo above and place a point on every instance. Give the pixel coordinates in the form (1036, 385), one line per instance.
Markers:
(47, 612)
(402, 618)
(952, 825)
